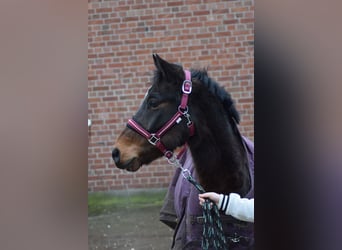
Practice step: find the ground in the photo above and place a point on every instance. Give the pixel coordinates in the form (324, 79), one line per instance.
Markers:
(127, 222)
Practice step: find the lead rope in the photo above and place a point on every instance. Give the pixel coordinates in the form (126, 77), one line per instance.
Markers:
(213, 235)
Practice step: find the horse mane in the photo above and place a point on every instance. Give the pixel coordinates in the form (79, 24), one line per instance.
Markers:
(218, 91)
(227, 152)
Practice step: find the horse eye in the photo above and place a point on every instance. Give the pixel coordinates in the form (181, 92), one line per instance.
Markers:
(153, 103)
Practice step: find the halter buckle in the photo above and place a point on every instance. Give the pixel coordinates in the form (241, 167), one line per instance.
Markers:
(187, 87)
(153, 139)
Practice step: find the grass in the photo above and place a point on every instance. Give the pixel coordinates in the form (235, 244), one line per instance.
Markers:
(104, 203)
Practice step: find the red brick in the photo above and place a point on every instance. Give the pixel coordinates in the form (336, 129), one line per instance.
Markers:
(220, 11)
(231, 21)
(175, 3)
(201, 12)
(102, 10)
(148, 17)
(121, 8)
(131, 18)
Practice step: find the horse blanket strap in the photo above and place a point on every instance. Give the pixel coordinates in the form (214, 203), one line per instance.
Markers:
(154, 138)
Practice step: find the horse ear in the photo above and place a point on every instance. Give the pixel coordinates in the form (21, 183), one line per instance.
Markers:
(159, 63)
(168, 70)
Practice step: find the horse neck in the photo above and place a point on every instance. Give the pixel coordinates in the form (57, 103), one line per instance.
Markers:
(219, 157)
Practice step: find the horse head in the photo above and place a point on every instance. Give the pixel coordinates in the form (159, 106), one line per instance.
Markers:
(144, 138)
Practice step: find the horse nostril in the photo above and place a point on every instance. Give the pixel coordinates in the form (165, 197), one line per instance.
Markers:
(116, 155)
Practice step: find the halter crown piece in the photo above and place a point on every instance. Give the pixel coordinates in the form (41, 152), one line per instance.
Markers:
(154, 138)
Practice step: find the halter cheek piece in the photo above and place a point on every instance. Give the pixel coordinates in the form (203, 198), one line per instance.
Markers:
(154, 138)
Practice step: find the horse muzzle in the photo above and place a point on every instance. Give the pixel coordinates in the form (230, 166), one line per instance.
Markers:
(131, 165)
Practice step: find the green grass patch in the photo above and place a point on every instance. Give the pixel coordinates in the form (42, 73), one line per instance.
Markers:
(104, 203)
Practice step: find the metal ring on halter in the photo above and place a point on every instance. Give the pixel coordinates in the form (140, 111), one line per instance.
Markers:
(172, 160)
(153, 139)
(185, 110)
(170, 157)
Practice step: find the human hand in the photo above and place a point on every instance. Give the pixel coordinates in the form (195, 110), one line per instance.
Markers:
(210, 195)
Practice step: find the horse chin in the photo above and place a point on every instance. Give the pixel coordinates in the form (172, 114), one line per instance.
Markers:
(133, 165)
(133, 168)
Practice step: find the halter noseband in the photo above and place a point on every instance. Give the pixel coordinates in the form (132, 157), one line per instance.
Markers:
(154, 138)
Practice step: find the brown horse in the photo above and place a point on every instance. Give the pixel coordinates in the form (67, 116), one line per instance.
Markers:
(188, 108)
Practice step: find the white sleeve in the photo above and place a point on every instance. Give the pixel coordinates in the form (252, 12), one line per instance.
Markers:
(240, 208)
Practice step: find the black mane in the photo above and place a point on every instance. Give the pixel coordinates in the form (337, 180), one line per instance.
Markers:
(218, 91)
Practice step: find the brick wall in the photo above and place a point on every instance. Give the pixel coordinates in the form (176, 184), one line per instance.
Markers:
(123, 35)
